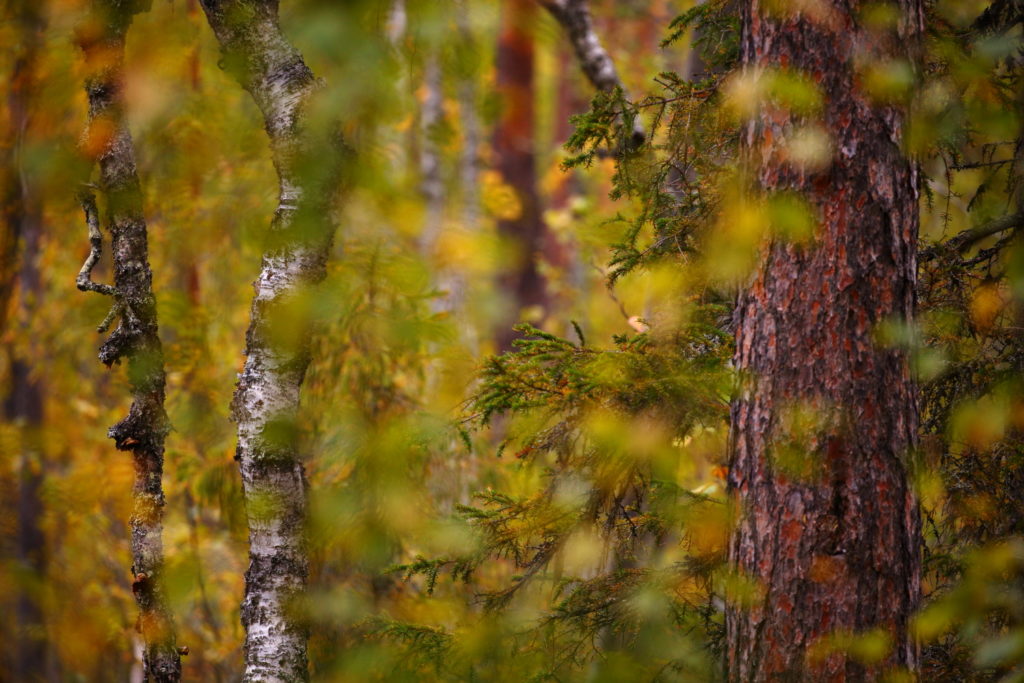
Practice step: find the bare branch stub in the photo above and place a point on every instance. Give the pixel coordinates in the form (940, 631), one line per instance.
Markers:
(92, 220)
(84, 280)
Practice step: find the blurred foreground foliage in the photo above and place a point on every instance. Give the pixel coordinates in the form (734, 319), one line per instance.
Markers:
(557, 511)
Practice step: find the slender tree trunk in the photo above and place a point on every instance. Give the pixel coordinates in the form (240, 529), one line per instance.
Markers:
(24, 402)
(266, 399)
(431, 180)
(826, 418)
(18, 205)
(516, 161)
(469, 157)
(24, 408)
(108, 142)
(574, 16)
(467, 75)
(597, 64)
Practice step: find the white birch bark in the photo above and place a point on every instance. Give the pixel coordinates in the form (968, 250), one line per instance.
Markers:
(266, 399)
(597, 65)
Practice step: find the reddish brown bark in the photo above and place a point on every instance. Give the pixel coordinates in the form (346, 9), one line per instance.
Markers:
(515, 160)
(827, 521)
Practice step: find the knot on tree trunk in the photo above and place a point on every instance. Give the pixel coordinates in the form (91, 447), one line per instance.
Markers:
(119, 344)
(144, 428)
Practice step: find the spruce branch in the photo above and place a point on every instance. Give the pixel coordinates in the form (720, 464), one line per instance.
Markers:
(968, 238)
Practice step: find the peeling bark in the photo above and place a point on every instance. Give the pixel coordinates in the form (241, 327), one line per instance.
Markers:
(266, 401)
(108, 143)
(575, 18)
(828, 524)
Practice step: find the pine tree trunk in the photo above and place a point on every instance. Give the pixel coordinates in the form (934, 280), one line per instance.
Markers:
(516, 161)
(142, 432)
(826, 418)
(266, 401)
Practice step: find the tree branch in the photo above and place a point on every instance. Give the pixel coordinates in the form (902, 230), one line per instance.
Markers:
(84, 279)
(999, 17)
(968, 238)
(575, 18)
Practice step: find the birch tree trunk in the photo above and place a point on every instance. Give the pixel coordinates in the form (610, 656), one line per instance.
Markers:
(266, 401)
(469, 156)
(596, 63)
(826, 418)
(431, 179)
(142, 432)
(574, 16)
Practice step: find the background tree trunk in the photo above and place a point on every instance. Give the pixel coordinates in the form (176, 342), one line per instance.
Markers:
(826, 419)
(431, 178)
(266, 399)
(516, 161)
(142, 432)
(468, 96)
(23, 407)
